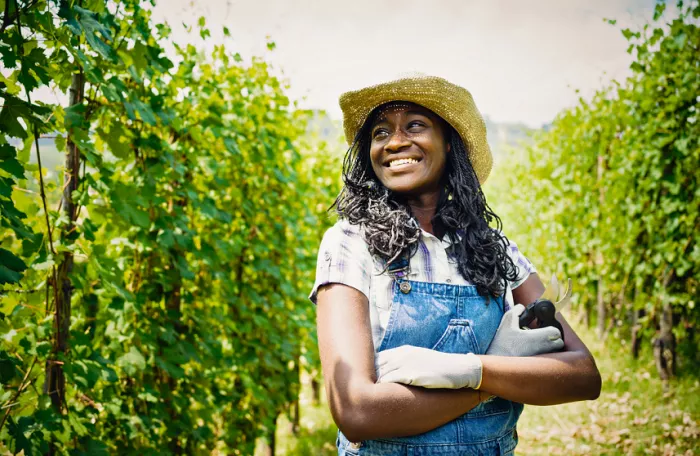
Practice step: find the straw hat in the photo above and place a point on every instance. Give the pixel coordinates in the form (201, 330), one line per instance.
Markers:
(449, 101)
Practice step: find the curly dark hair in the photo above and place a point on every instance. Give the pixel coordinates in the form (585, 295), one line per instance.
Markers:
(462, 214)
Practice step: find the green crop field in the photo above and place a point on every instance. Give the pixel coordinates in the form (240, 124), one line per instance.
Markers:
(161, 212)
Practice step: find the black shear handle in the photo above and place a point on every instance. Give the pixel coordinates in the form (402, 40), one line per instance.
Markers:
(544, 311)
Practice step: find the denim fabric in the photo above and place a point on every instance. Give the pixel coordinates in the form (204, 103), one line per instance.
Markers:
(450, 319)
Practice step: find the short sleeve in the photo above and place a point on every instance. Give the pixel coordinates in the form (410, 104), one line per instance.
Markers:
(343, 257)
(523, 266)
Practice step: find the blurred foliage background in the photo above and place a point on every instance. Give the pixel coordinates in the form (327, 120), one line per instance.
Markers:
(159, 224)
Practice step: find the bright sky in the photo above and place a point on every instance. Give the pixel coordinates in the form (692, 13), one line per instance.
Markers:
(522, 60)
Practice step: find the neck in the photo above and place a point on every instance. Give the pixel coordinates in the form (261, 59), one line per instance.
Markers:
(423, 208)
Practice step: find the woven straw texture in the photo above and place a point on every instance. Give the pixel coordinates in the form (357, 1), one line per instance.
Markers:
(449, 101)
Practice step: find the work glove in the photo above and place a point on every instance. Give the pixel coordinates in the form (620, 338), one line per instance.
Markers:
(511, 340)
(428, 368)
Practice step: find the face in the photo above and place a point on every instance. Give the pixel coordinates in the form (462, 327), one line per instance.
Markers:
(407, 149)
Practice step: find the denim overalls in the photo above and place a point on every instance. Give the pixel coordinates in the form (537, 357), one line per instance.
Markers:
(450, 319)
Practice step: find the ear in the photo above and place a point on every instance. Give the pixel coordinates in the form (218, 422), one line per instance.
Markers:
(448, 149)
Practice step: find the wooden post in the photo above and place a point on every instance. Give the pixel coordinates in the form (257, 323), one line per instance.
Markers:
(315, 391)
(296, 415)
(55, 383)
(665, 342)
(636, 326)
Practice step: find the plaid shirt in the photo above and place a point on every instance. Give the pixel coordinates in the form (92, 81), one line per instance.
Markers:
(343, 257)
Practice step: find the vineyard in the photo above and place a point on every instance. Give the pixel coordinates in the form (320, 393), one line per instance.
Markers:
(153, 285)
(612, 196)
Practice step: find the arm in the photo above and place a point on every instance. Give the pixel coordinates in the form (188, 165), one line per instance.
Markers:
(361, 408)
(554, 378)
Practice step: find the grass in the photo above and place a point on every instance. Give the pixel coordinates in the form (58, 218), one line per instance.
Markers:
(633, 416)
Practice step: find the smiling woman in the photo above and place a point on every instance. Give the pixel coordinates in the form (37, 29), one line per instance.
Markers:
(418, 335)
(408, 148)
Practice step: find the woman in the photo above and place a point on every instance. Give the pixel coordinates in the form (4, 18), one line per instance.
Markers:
(411, 288)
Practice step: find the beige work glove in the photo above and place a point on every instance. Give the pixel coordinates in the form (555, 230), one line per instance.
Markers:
(428, 368)
(511, 340)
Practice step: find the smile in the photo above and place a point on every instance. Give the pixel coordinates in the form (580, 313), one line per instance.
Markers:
(402, 162)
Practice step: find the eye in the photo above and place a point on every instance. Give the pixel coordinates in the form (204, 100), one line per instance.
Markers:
(379, 133)
(415, 124)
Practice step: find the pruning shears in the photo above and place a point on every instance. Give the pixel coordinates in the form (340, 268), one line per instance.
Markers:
(545, 308)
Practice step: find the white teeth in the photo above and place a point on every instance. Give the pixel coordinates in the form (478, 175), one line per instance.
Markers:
(402, 161)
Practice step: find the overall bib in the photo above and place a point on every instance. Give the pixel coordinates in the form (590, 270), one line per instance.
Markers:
(450, 319)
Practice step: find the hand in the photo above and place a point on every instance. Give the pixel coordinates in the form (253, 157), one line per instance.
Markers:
(419, 366)
(511, 340)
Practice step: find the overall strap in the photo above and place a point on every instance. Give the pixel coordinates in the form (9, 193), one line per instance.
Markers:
(398, 269)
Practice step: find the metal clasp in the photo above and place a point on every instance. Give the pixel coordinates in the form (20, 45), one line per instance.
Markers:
(399, 270)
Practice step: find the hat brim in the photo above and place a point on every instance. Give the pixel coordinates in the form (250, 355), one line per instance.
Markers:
(449, 101)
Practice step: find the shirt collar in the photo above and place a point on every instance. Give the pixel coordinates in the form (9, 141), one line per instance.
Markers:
(445, 242)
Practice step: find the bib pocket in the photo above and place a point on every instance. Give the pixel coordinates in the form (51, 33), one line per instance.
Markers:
(458, 338)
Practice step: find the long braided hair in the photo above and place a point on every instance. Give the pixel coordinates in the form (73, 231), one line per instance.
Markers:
(462, 214)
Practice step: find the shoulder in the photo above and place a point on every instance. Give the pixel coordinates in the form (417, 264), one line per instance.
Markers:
(344, 239)
(343, 257)
(343, 233)
(522, 264)
(511, 246)
(343, 229)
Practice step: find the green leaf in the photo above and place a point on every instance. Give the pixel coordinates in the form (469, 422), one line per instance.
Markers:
(132, 362)
(117, 139)
(629, 34)
(67, 14)
(8, 259)
(93, 448)
(17, 430)
(139, 54)
(6, 187)
(12, 110)
(113, 90)
(145, 112)
(680, 39)
(14, 167)
(11, 267)
(77, 426)
(43, 348)
(34, 70)
(132, 213)
(7, 152)
(60, 143)
(8, 368)
(659, 9)
(89, 22)
(75, 117)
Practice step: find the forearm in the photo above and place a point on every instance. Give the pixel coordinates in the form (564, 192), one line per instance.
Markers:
(554, 378)
(394, 410)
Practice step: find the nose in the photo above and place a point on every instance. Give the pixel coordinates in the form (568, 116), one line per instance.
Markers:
(397, 141)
